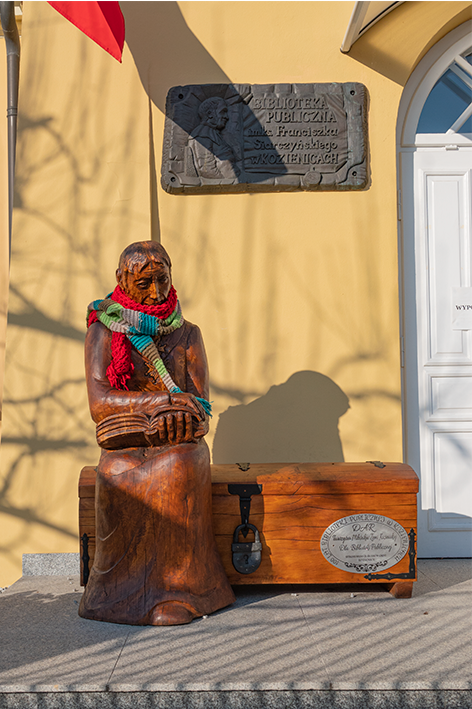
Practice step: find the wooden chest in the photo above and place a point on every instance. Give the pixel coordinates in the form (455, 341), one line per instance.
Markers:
(319, 523)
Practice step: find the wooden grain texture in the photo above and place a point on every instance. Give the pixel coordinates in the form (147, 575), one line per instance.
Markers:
(305, 506)
(291, 525)
(293, 561)
(87, 478)
(155, 559)
(321, 478)
(299, 536)
(401, 589)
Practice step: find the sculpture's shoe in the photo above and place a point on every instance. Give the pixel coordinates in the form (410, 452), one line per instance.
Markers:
(172, 613)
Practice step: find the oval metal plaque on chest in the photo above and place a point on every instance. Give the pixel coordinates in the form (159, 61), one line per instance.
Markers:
(363, 543)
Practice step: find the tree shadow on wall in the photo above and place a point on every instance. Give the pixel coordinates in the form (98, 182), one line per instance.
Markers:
(168, 54)
(166, 51)
(295, 422)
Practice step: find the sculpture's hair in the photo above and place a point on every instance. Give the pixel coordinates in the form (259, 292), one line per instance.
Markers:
(209, 104)
(136, 255)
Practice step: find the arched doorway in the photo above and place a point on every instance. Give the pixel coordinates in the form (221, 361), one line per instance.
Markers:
(434, 140)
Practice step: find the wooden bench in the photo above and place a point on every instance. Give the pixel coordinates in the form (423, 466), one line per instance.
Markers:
(319, 523)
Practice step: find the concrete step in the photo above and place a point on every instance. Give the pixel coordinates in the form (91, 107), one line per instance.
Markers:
(283, 699)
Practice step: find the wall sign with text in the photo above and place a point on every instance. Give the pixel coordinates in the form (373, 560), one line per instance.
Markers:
(364, 543)
(462, 308)
(265, 137)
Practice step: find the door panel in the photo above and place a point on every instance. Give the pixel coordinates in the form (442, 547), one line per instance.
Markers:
(447, 257)
(452, 479)
(442, 254)
(450, 396)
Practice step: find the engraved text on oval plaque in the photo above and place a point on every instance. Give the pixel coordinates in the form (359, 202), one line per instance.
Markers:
(364, 543)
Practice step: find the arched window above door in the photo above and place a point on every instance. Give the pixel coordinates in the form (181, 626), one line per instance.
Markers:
(436, 105)
(448, 108)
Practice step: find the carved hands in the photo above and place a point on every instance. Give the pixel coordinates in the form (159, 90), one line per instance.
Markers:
(180, 426)
(186, 400)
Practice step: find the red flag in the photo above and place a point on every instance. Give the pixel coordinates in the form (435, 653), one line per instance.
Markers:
(101, 21)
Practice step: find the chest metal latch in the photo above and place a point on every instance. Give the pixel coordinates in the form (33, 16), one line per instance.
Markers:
(247, 556)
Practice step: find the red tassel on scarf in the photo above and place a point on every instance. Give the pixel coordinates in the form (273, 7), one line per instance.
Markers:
(121, 367)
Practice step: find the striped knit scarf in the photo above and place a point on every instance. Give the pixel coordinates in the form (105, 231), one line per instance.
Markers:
(134, 324)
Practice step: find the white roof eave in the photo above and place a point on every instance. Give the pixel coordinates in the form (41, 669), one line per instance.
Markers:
(364, 16)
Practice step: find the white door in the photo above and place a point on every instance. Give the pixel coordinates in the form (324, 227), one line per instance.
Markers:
(436, 180)
(443, 261)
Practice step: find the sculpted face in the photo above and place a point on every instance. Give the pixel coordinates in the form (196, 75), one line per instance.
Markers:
(147, 284)
(217, 116)
(221, 117)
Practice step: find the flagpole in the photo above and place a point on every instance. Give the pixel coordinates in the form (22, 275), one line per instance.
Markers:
(12, 43)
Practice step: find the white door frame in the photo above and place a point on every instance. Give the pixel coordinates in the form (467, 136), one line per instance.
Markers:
(416, 91)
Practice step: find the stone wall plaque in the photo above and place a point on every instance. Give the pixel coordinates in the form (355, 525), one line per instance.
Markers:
(265, 137)
(364, 543)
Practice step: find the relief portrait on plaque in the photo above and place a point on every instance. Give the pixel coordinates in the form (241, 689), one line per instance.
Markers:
(265, 137)
(156, 561)
(212, 156)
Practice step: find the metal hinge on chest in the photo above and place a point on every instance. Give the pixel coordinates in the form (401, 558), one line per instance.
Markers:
(411, 573)
(85, 558)
(245, 493)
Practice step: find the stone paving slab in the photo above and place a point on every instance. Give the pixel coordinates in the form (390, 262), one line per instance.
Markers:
(301, 641)
(260, 642)
(45, 645)
(423, 643)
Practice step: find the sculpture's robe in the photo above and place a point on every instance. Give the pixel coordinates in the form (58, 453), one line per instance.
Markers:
(156, 561)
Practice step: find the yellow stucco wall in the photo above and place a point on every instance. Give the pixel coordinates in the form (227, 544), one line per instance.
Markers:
(82, 193)
(294, 282)
(3, 212)
(395, 44)
(281, 284)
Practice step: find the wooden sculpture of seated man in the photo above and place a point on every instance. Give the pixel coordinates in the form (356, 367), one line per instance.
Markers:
(156, 561)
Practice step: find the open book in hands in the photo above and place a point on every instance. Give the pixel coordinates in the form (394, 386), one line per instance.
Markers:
(169, 425)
